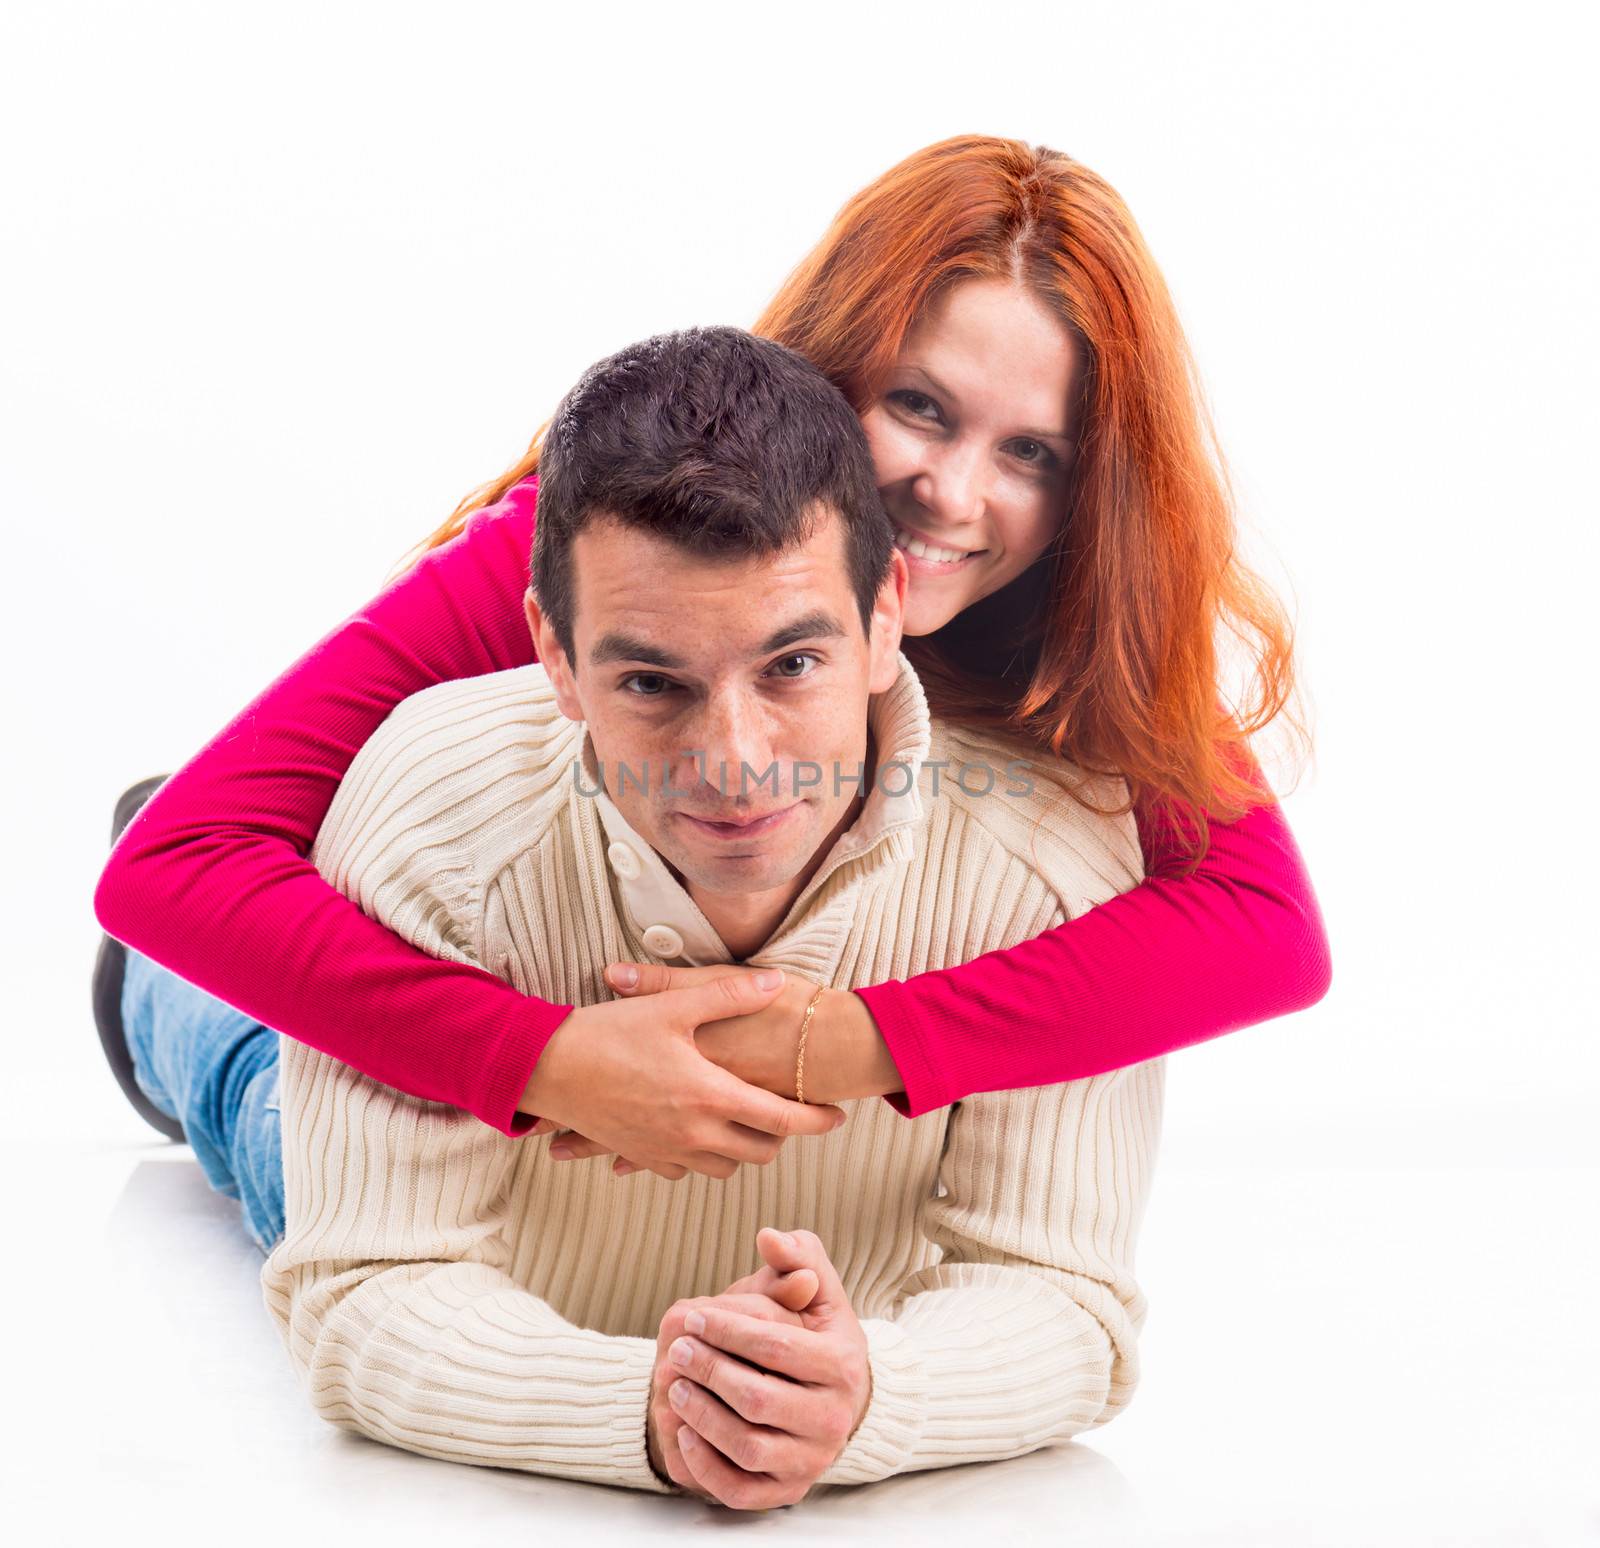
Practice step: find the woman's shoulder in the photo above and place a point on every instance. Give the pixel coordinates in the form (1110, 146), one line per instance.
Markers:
(1023, 797)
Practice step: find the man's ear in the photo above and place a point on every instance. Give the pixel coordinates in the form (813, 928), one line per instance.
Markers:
(552, 657)
(888, 618)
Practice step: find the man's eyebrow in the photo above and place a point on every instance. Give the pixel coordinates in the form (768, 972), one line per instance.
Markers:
(819, 624)
(617, 646)
(629, 647)
(940, 388)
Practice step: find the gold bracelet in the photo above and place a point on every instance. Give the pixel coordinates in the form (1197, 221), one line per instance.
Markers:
(800, 1062)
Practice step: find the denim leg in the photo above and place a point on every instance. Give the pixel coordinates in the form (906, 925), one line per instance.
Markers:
(258, 1156)
(215, 1070)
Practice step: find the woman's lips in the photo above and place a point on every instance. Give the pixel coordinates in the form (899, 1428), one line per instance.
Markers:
(926, 566)
(729, 830)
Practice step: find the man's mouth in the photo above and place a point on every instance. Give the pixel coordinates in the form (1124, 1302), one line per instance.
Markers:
(739, 828)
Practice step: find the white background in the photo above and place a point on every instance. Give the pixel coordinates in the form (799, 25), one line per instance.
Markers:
(282, 284)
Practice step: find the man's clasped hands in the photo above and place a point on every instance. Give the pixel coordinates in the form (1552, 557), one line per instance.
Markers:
(756, 1391)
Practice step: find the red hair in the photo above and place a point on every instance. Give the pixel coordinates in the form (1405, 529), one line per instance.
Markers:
(1146, 581)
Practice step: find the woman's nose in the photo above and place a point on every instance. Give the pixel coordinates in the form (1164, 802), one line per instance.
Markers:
(951, 487)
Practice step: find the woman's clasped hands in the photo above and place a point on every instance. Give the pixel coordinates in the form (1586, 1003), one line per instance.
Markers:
(685, 1071)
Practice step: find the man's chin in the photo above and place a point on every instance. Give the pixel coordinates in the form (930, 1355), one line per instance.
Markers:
(723, 869)
(736, 873)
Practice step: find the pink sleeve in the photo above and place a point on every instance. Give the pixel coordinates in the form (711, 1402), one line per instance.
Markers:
(1170, 962)
(212, 880)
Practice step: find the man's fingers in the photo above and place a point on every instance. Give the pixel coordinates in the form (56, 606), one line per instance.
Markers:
(786, 1251)
(796, 1290)
(754, 1448)
(801, 1354)
(720, 1478)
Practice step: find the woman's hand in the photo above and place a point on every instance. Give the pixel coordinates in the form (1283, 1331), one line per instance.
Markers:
(759, 1047)
(628, 1077)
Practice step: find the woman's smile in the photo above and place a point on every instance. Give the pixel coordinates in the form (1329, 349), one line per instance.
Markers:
(925, 557)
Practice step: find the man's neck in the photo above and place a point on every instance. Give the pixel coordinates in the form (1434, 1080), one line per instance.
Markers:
(744, 921)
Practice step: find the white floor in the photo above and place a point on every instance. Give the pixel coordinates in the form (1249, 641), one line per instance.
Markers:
(1394, 1354)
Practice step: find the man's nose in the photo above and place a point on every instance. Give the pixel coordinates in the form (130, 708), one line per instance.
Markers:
(953, 485)
(737, 743)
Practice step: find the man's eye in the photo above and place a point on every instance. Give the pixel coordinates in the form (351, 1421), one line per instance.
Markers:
(798, 656)
(645, 677)
(918, 403)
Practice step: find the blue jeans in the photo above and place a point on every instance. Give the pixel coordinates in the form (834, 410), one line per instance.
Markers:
(216, 1071)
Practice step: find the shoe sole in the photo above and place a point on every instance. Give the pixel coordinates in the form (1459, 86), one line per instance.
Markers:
(110, 965)
(110, 968)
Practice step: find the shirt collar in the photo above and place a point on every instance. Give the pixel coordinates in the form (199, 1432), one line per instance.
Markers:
(882, 834)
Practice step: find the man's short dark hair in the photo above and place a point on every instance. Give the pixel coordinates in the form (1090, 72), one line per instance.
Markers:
(724, 444)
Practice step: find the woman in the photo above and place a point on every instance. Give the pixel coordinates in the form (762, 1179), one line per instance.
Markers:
(1096, 565)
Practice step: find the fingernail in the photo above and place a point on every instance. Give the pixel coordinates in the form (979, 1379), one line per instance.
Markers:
(687, 1439)
(625, 977)
(694, 1322)
(679, 1393)
(561, 1152)
(786, 1239)
(682, 1351)
(769, 980)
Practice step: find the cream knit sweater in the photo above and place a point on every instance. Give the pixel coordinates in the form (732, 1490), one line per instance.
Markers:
(450, 1290)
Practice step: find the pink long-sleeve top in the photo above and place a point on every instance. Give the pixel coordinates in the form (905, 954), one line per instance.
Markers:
(212, 879)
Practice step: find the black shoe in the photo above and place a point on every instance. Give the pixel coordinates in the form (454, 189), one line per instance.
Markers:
(110, 963)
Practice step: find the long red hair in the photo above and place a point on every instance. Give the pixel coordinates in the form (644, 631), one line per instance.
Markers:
(1147, 583)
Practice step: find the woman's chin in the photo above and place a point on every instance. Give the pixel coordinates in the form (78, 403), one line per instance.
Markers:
(927, 616)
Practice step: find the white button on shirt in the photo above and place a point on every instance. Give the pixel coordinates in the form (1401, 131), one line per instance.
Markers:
(624, 862)
(663, 940)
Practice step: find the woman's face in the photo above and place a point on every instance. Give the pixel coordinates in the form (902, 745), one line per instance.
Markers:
(972, 443)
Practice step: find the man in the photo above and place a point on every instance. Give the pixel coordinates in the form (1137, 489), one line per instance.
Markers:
(952, 1288)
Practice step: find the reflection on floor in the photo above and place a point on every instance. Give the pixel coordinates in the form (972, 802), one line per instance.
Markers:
(1331, 1357)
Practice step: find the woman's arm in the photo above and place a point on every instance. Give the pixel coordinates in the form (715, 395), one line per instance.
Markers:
(1173, 961)
(212, 877)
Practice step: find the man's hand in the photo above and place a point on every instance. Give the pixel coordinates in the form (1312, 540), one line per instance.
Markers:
(627, 1075)
(765, 1404)
(764, 1294)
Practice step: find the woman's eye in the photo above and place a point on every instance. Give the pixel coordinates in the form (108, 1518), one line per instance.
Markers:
(918, 403)
(798, 656)
(1034, 454)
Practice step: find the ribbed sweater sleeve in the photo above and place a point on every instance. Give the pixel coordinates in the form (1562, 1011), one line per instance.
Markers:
(1027, 1330)
(391, 1290)
(212, 880)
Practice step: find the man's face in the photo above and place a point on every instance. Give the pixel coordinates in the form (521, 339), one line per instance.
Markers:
(692, 672)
